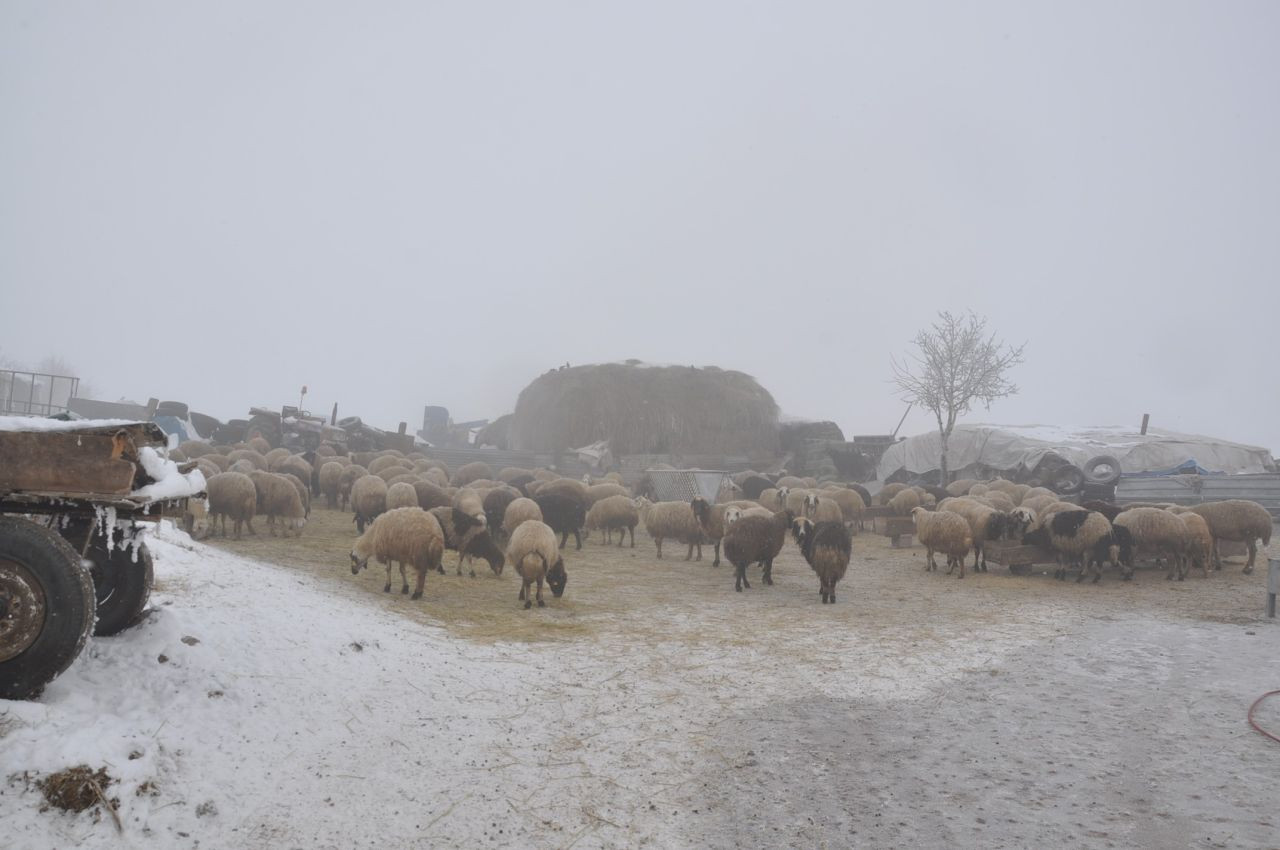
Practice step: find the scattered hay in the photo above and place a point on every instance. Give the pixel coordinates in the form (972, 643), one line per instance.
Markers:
(75, 789)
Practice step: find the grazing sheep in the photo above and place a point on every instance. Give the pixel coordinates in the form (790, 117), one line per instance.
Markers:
(368, 499)
(471, 472)
(822, 508)
(985, 523)
(980, 489)
(792, 482)
(711, 520)
(196, 448)
(507, 473)
(1107, 509)
(545, 475)
(495, 506)
(770, 499)
(1199, 541)
(904, 502)
(402, 496)
(752, 540)
(534, 555)
(207, 468)
(945, 532)
(519, 511)
(195, 517)
(614, 512)
(304, 492)
(432, 496)
(1158, 531)
(259, 445)
(1037, 491)
(407, 535)
(753, 485)
(279, 499)
(1079, 536)
(220, 460)
(851, 504)
(826, 546)
(564, 513)
(1056, 507)
(673, 520)
(350, 475)
(999, 500)
(1035, 504)
(466, 536)
(232, 494)
(1238, 520)
(330, 475)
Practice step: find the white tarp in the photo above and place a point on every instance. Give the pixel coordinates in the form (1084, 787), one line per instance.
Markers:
(1014, 446)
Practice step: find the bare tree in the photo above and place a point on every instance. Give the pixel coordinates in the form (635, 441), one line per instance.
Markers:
(957, 363)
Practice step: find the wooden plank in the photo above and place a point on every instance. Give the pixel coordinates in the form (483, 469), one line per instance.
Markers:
(876, 511)
(70, 463)
(1009, 554)
(895, 526)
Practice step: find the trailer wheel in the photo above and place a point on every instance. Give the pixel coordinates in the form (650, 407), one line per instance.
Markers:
(46, 607)
(122, 585)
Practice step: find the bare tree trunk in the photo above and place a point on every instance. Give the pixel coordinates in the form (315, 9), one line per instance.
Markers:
(943, 478)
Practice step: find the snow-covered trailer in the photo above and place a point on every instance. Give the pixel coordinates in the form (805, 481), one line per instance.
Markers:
(74, 496)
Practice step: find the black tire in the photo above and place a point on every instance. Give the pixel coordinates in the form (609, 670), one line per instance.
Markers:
(121, 585)
(1103, 470)
(1067, 479)
(46, 607)
(172, 408)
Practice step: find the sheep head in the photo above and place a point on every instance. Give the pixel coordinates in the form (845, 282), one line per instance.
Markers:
(801, 529)
(557, 578)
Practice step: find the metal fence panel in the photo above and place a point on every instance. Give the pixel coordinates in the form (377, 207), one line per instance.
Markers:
(681, 485)
(1263, 488)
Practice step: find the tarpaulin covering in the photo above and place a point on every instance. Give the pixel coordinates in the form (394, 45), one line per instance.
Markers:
(1010, 447)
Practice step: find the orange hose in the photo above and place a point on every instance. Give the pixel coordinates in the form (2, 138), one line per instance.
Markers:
(1254, 707)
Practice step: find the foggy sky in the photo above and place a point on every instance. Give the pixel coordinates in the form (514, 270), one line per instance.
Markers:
(402, 204)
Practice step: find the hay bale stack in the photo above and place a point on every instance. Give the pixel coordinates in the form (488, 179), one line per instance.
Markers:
(646, 410)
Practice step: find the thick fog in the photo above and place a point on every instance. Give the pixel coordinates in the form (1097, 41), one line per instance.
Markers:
(400, 204)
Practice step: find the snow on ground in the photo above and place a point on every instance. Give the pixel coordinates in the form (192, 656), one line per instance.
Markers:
(295, 712)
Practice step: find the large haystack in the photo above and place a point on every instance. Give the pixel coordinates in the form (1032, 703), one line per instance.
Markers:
(643, 409)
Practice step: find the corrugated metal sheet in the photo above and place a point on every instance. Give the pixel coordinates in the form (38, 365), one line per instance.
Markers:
(1263, 488)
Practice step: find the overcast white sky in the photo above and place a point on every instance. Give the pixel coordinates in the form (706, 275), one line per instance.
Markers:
(415, 203)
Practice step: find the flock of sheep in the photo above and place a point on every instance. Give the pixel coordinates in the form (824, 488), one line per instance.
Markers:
(968, 514)
(409, 510)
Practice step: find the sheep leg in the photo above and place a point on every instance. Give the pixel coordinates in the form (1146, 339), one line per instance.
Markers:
(564, 538)
(541, 604)
(249, 524)
(1217, 555)
(767, 574)
(699, 544)
(421, 570)
(577, 539)
(404, 580)
(690, 555)
(1253, 553)
(632, 529)
(658, 540)
(740, 578)
(526, 594)
(930, 564)
(716, 562)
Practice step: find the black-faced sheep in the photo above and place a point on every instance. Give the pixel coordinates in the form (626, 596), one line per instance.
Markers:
(945, 532)
(671, 520)
(466, 536)
(495, 507)
(1238, 520)
(405, 536)
(232, 494)
(519, 511)
(1079, 536)
(614, 512)
(755, 540)
(368, 499)
(565, 514)
(278, 499)
(711, 520)
(533, 554)
(826, 546)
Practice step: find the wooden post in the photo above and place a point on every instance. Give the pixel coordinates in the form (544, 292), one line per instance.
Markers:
(1273, 585)
(403, 427)
(1146, 417)
(333, 417)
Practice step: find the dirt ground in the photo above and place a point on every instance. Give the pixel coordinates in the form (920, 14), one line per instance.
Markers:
(919, 711)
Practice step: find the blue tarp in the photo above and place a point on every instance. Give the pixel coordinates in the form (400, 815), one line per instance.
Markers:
(1187, 467)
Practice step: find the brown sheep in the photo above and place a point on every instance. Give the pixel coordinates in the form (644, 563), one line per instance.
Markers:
(279, 499)
(350, 474)
(945, 532)
(756, 539)
(826, 547)
(330, 474)
(612, 512)
(368, 499)
(1238, 520)
(232, 494)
